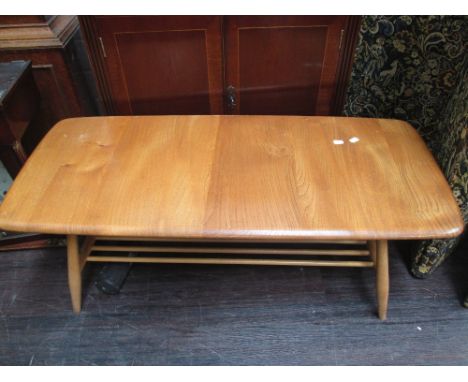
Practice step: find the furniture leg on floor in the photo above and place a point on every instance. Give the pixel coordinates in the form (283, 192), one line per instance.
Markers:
(74, 272)
(224, 192)
(382, 278)
(376, 256)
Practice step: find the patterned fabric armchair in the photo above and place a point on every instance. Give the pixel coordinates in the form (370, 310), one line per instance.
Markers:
(415, 68)
(453, 157)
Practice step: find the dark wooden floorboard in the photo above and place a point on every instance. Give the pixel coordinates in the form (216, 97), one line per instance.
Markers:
(221, 315)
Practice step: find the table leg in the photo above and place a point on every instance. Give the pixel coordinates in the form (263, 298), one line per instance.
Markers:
(382, 278)
(74, 272)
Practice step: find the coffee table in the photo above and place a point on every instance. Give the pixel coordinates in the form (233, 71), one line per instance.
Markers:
(192, 184)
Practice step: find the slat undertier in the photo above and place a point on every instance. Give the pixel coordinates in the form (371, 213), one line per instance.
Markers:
(322, 253)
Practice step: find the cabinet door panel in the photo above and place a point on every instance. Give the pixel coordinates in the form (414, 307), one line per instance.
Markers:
(283, 64)
(163, 65)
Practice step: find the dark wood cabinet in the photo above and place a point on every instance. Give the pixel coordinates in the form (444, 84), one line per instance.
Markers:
(19, 104)
(283, 65)
(162, 65)
(48, 42)
(213, 64)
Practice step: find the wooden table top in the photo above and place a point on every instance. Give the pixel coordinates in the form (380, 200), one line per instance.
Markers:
(233, 177)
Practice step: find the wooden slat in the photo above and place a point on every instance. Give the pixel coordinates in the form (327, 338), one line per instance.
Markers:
(229, 261)
(246, 251)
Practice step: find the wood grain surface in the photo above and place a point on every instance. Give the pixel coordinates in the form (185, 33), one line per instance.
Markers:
(233, 177)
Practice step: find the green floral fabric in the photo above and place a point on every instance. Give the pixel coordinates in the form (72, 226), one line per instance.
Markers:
(414, 68)
(453, 156)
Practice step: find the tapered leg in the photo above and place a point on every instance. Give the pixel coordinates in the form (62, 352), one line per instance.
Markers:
(382, 278)
(74, 272)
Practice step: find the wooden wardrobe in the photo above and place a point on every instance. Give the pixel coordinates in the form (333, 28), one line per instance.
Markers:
(291, 65)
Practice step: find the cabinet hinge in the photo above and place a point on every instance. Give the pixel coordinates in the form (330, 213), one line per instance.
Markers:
(103, 49)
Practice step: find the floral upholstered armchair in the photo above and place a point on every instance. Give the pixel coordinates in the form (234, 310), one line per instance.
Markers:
(415, 68)
(453, 158)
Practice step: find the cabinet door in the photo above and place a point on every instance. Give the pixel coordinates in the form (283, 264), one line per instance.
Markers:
(162, 64)
(282, 64)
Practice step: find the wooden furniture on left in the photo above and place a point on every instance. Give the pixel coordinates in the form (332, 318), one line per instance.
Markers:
(47, 41)
(19, 104)
(204, 181)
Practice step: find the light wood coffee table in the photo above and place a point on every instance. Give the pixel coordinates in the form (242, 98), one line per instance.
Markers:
(232, 179)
